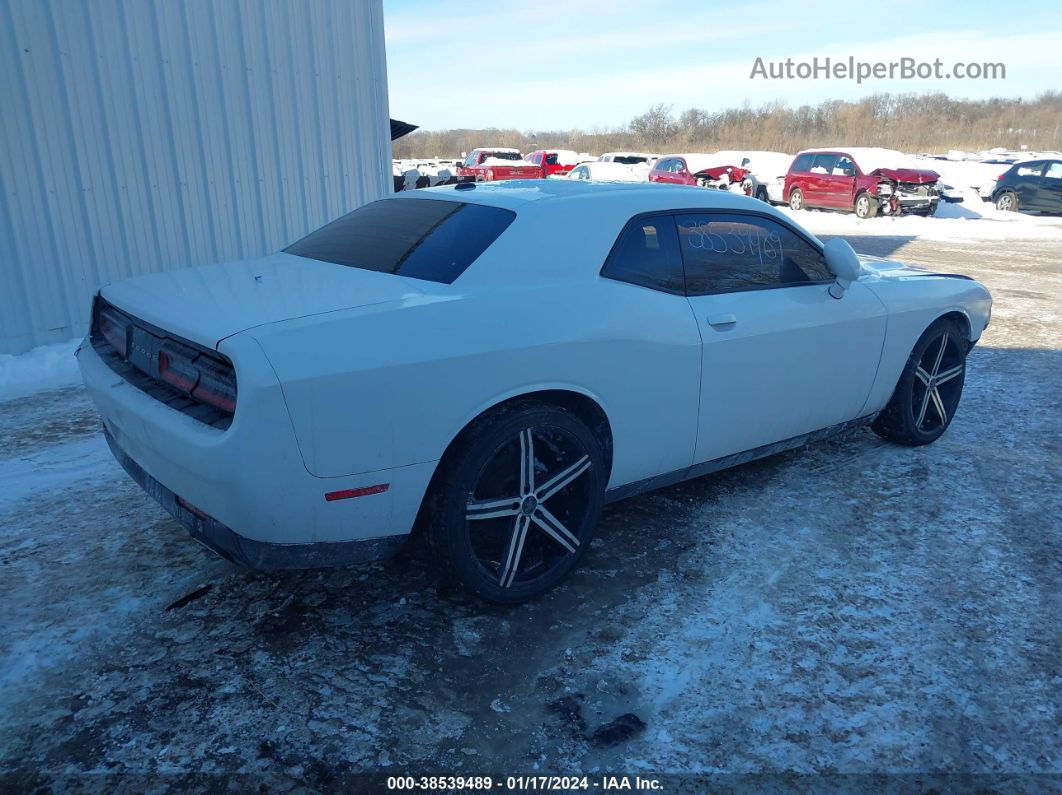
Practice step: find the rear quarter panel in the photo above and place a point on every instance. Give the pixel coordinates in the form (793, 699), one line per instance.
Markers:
(392, 385)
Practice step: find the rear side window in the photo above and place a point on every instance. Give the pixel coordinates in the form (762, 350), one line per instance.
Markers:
(1054, 170)
(1030, 169)
(802, 163)
(646, 254)
(725, 253)
(417, 238)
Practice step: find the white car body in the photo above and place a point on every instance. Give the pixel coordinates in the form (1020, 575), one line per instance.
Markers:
(606, 171)
(352, 379)
(612, 157)
(766, 169)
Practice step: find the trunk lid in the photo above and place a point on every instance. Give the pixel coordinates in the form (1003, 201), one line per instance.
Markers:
(208, 303)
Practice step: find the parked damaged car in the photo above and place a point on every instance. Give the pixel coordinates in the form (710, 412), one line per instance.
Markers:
(487, 164)
(697, 168)
(863, 180)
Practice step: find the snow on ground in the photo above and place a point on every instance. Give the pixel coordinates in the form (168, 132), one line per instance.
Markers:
(852, 607)
(46, 367)
(970, 219)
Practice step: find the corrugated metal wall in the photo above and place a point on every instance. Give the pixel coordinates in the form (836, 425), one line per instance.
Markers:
(140, 135)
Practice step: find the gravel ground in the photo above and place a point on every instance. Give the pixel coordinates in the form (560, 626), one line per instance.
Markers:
(850, 608)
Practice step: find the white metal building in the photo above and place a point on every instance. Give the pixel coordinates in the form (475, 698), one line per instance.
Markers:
(140, 135)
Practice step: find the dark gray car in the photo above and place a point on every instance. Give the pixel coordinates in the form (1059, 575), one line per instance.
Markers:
(1032, 185)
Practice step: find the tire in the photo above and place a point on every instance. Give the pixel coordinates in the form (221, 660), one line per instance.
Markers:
(796, 199)
(865, 206)
(914, 416)
(505, 537)
(1007, 201)
(761, 194)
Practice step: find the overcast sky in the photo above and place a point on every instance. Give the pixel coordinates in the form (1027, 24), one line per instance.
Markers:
(558, 64)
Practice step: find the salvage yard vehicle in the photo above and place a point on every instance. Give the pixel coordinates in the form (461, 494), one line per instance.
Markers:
(764, 173)
(610, 171)
(629, 158)
(704, 170)
(488, 164)
(863, 180)
(433, 362)
(1032, 185)
(553, 161)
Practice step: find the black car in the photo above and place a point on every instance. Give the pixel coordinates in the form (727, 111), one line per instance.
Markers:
(1031, 185)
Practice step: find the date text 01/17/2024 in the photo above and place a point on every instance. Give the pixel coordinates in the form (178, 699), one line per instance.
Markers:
(522, 783)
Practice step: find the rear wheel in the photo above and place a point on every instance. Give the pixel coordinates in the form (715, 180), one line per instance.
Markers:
(866, 206)
(1007, 201)
(930, 386)
(796, 199)
(517, 502)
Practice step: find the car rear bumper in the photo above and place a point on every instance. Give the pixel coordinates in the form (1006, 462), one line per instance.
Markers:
(262, 555)
(259, 504)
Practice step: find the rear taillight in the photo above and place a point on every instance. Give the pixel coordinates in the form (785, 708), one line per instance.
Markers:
(114, 328)
(177, 369)
(200, 376)
(217, 384)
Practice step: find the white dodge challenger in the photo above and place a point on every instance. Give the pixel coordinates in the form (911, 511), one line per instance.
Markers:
(489, 364)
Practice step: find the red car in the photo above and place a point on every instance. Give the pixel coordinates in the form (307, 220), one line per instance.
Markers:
(553, 161)
(490, 163)
(708, 171)
(863, 180)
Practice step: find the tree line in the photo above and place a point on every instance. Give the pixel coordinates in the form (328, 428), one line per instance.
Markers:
(908, 122)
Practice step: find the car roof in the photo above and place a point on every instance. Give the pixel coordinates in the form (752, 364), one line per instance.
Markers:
(854, 151)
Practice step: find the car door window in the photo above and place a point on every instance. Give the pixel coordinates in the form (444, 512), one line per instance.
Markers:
(646, 254)
(678, 166)
(1054, 170)
(724, 253)
(823, 164)
(844, 167)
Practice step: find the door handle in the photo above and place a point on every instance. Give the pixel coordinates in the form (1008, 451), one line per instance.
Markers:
(721, 320)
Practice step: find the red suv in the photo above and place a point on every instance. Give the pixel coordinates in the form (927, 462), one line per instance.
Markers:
(863, 180)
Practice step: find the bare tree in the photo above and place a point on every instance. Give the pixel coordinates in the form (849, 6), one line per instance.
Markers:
(913, 123)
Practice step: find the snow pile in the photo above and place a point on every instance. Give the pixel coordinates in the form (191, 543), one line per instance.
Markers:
(566, 157)
(971, 219)
(46, 367)
(964, 174)
(764, 165)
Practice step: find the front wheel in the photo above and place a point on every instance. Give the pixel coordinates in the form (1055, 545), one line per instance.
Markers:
(930, 386)
(796, 199)
(517, 501)
(866, 206)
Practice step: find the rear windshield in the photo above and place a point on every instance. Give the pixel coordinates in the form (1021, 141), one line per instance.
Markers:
(629, 160)
(418, 238)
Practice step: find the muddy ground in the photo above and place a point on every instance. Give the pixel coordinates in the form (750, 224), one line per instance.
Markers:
(849, 608)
